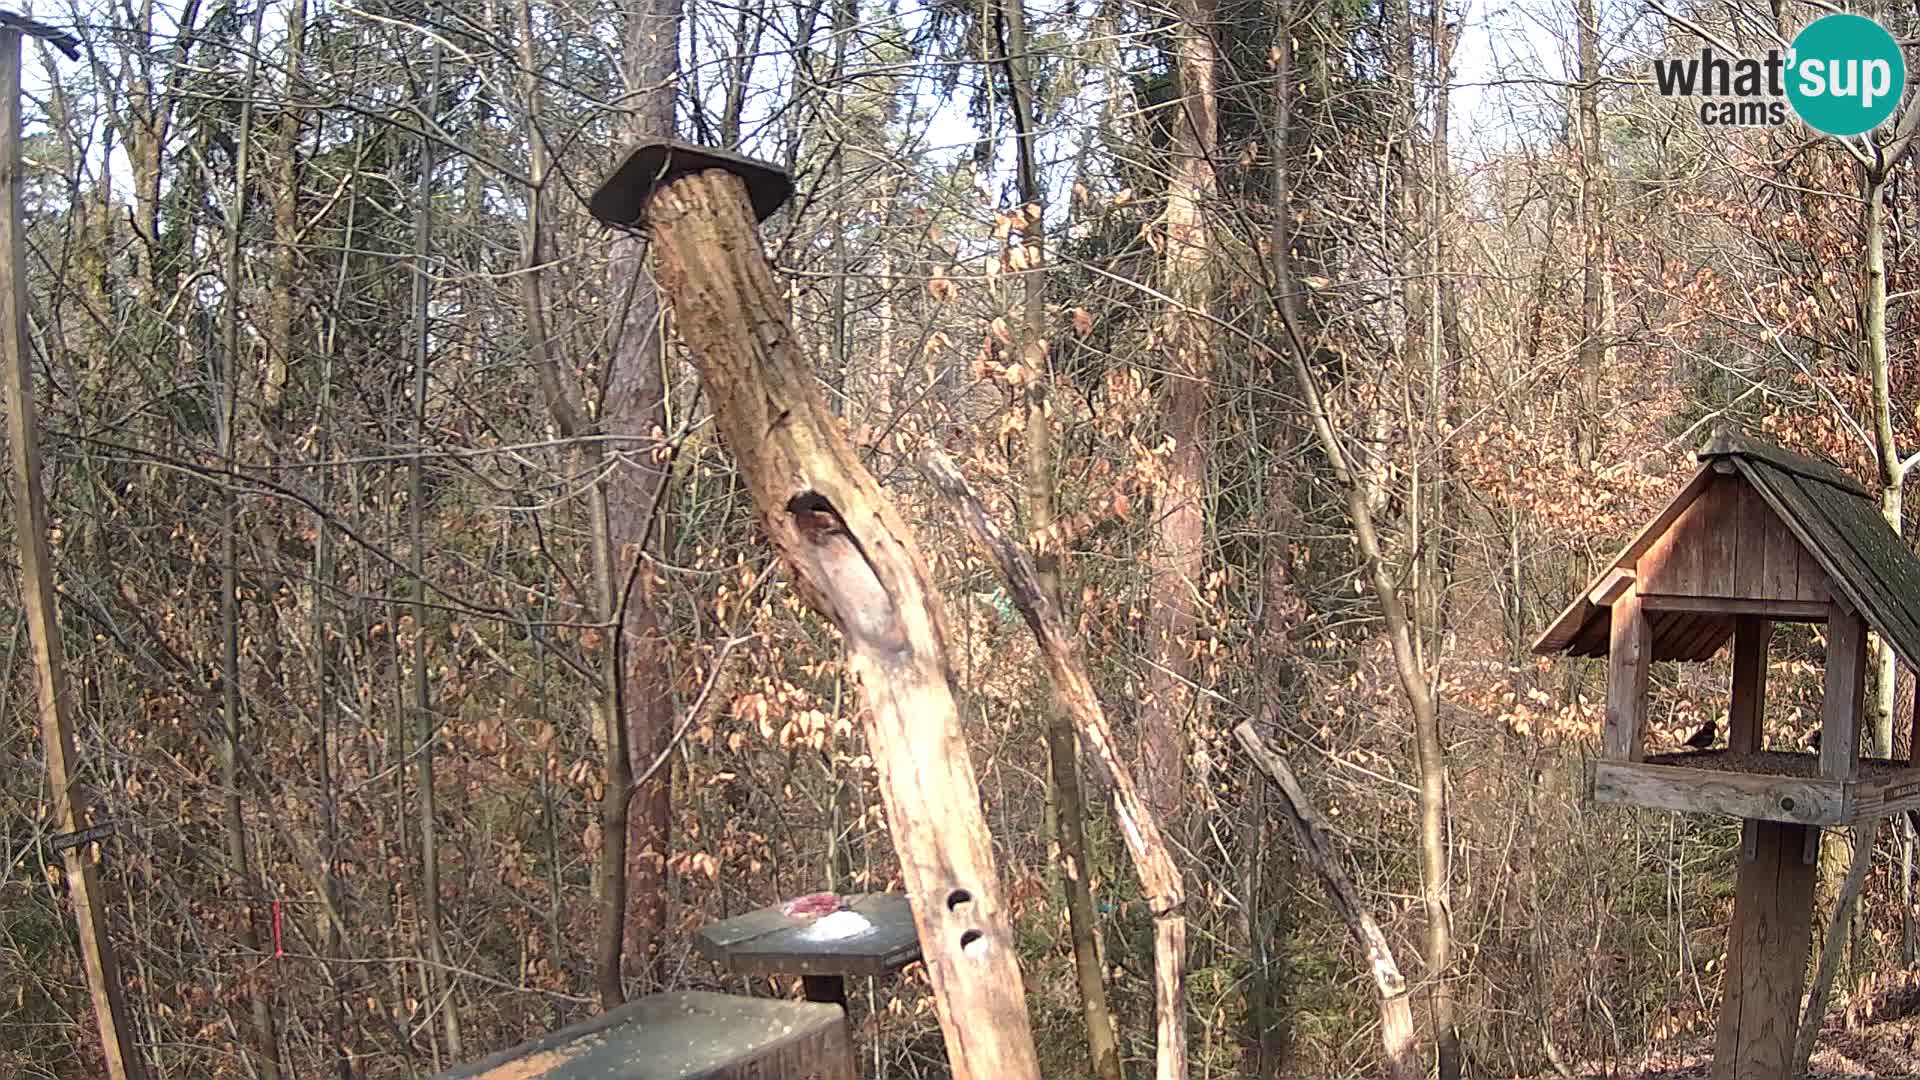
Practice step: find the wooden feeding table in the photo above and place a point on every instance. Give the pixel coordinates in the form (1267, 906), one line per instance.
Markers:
(684, 1036)
(1764, 785)
(817, 942)
(1758, 536)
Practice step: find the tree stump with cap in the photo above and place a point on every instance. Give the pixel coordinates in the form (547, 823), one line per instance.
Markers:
(851, 558)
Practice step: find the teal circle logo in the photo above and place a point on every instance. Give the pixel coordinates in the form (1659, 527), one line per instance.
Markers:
(1847, 75)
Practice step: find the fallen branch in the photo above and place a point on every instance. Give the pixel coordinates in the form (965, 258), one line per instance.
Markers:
(1396, 1009)
(1816, 1007)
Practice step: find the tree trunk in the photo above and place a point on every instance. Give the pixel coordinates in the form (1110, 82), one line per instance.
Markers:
(635, 410)
(246, 892)
(426, 722)
(1416, 686)
(1179, 531)
(1069, 812)
(1587, 97)
(1883, 669)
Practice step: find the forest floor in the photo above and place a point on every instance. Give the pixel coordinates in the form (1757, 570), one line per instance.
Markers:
(1885, 1049)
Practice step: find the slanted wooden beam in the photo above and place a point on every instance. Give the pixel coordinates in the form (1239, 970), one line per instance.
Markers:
(854, 560)
(1846, 683)
(1780, 610)
(1315, 842)
(1610, 586)
(70, 800)
(1747, 714)
(1628, 658)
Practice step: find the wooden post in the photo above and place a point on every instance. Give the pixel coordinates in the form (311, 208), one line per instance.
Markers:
(1628, 658)
(1746, 719)
(1766, 956)
(1913, 735)
(1846, 682)
(70, 803)
(852, 559)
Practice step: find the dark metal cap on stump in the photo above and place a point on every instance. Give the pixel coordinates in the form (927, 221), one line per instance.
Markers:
(622, 200)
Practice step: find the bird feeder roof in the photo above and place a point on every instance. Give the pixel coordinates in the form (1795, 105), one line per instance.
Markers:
(1835, 523)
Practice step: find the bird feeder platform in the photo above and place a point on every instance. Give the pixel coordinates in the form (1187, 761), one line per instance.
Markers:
(1763, 785)
(1758, 536)
(823, 948)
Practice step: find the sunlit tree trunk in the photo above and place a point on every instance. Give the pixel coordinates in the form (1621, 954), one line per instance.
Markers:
(1069, 812)
(634, 412)
(1179, 521)
(246, 890)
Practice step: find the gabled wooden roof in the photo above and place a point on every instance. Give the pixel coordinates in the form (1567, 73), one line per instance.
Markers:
(1828, 512)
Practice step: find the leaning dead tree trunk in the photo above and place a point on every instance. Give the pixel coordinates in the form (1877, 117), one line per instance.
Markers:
(118, 1043)
(1159, 877)
(853, 560)
(1396, 1009)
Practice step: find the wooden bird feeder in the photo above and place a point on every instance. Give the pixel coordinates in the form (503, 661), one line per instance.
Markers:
(1758, 536)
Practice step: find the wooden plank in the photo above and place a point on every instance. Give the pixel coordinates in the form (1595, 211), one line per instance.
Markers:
(1753, 522)
(690, 1035)
(1782, 577)
(71, 801)
(1717, 535)
(1708, 634)
(1913, 738)
(1840, 707)
(1885, 796)
(1766, 957)
(1804, 521)
(1776, 610)
(1811, 582)
(1628, 656)
(1686, 790)
(1671, 631)
(1746, 717)
(1671, 563)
